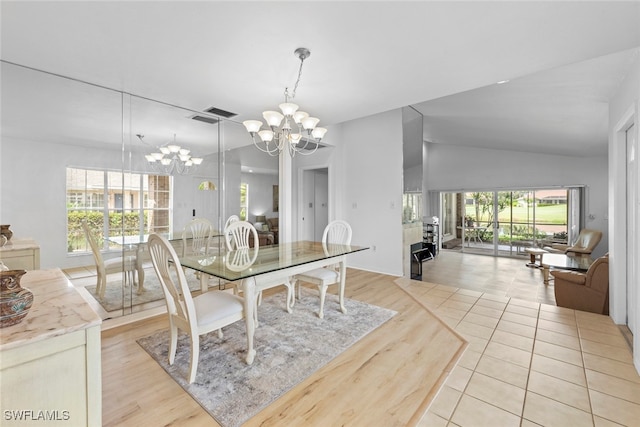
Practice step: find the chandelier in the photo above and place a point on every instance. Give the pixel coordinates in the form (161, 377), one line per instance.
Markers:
(171, 159)
(291, 130)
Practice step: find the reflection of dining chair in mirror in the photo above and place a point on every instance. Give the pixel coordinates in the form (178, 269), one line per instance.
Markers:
(127, 264)
(337, 232)
(241, 259)
(196, 316)
(196, 238)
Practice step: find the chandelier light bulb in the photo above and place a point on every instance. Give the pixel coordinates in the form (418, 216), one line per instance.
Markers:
(288, 108)
(318, 133)
(252, 126)
(164, 150)
(157, 156)
(299, 116)
(310, 122)
(184, 151)
(295, 138)
(273, 118)
(266, 135)
(197, 160)
(173, 148)
(165, 161)
(150, 158)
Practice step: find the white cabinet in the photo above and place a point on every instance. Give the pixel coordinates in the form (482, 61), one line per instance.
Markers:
(50, 363)
(21, 254)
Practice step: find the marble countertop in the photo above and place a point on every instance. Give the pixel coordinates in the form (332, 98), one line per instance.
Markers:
(58, 308)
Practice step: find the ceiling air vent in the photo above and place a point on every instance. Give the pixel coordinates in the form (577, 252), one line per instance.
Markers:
(210, 120)
(220, 112)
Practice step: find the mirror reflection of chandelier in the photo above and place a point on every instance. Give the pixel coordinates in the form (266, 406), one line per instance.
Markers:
(291, 130)
(172, 158)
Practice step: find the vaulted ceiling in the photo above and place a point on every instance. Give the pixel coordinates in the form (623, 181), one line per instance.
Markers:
(562, 60)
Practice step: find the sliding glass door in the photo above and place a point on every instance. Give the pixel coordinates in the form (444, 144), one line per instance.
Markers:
(506, 222)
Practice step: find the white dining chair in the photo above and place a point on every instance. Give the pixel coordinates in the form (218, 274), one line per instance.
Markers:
(122, 264)
(230, 220)
(196, 316)
(237, 235)
(336, 232)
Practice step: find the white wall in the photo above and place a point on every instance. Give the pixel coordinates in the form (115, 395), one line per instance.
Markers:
(260, 194)
(457, 168)
(371, 151)
(624, 107)
(33, 193)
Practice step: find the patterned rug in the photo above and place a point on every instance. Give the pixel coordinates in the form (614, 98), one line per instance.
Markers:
(290, 347)
(116, 297)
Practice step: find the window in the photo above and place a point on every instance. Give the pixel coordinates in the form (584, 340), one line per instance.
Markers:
(244, 201)
(115, 204)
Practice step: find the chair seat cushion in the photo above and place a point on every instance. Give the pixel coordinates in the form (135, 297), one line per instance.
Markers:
(319, 274)
(215, 305)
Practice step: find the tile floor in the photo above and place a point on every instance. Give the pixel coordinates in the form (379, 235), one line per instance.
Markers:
(528, 363)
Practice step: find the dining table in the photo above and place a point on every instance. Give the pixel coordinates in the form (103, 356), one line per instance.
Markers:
(261, 268)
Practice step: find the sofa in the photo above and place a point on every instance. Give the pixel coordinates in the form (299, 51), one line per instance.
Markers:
(584, 291)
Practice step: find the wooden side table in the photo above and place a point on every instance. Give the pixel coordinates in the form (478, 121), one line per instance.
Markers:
(535, 254)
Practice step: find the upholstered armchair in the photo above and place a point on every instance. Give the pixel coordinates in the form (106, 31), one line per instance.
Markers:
(585, 243)
(273, 226)
(584, 291)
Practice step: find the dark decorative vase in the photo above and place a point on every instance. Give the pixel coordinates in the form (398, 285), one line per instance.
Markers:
(15, 301)
(4, 230)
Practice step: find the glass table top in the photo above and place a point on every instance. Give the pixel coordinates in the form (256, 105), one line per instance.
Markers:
(567, 262)
(243, 263)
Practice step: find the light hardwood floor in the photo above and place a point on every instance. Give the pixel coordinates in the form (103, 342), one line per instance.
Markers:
(526, 363)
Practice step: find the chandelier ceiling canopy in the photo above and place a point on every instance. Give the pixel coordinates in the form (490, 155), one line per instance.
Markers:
(171, 158)
(292, 130)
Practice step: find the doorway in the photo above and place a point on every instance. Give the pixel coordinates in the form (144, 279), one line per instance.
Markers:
(314, 203)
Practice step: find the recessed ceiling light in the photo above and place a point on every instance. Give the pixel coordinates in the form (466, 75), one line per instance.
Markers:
(501, 82)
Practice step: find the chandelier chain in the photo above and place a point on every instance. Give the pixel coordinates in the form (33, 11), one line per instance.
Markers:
(295, 87)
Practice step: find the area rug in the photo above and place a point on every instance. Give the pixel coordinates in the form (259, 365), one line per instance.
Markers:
(116, 299)
(290, 347)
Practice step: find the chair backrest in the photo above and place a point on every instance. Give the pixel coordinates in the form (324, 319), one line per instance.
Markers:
(174, 283)
(587, 241)
(237, 234)
(198, 233)
(598, 274)
(97, 255)
(232, 218)
(337, 232)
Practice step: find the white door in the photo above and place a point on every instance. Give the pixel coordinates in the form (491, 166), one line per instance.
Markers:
(321, 196)
(308, 203)
(632, 227)
(205, 199)
(314, 208)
